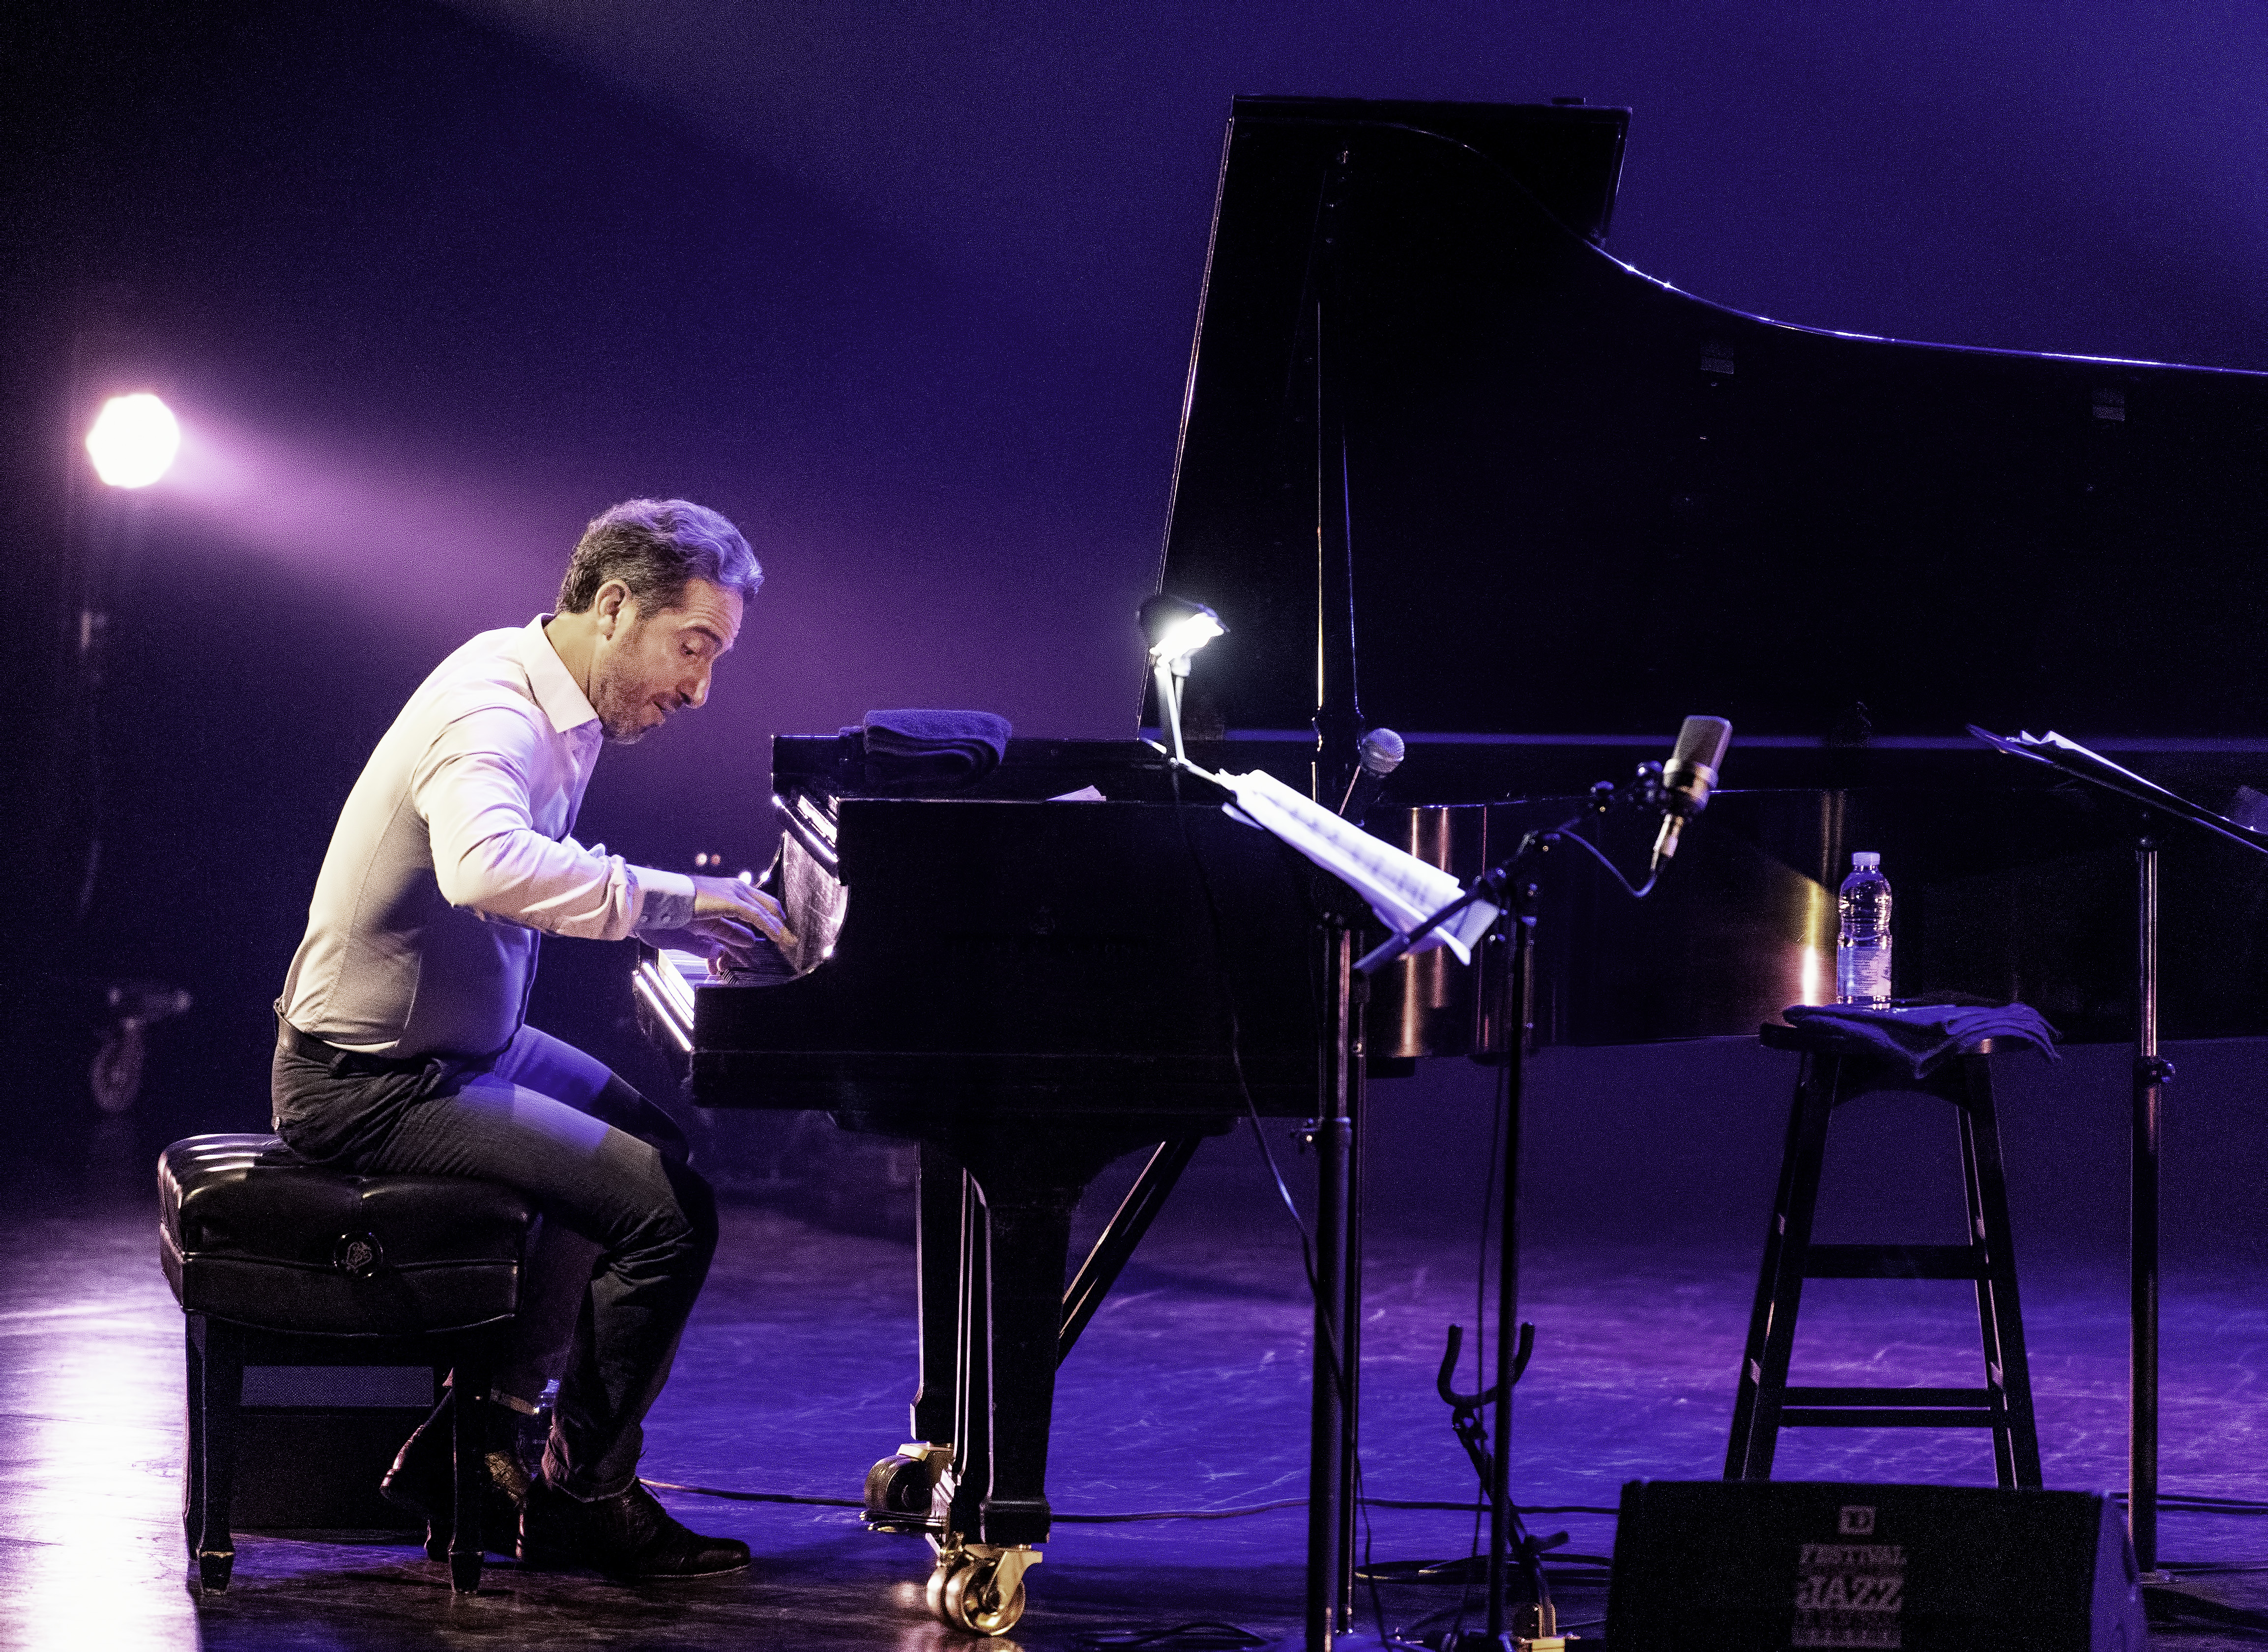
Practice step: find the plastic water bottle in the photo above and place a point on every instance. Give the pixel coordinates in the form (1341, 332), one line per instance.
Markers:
(1862, 943)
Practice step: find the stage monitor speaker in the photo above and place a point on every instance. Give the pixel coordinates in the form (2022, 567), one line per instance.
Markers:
(1755, 1566)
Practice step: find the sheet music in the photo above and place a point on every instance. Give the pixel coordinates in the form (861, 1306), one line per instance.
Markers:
(2075, 760)
(1403, 890)
(2076, 755)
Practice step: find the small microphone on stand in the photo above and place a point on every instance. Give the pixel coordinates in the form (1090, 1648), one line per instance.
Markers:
(1690, 778)
(1379, 752)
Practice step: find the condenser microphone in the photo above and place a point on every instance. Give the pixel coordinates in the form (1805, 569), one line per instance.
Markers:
(1690, 778)
(1379, 752)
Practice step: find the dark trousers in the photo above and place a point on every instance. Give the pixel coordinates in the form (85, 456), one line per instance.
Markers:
(628, 1230)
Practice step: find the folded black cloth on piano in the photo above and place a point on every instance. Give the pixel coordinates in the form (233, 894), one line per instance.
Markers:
(1919, 1035)
(917, 751)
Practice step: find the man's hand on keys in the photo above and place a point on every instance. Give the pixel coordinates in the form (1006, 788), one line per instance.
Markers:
(729, 915)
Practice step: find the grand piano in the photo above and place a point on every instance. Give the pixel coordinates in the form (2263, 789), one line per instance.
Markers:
(1446, 464)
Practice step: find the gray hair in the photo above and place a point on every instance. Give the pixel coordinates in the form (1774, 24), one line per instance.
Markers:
(654, 546)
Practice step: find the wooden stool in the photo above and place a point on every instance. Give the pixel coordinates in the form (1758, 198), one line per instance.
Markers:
(276, 1261)
(1766, 1404)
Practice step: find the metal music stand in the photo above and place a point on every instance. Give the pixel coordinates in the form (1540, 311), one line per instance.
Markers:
(2153, 803)
(1338, 1276)
(1335, 1132)
(1514, 887)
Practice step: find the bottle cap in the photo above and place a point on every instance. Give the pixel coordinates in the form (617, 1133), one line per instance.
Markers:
(1865, 860)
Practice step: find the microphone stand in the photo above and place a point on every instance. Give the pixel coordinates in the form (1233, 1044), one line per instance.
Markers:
(1508, 886)
(2154, 806)
(1513, 886)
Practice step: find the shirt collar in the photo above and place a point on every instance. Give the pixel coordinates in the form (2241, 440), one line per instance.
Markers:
(548, 679)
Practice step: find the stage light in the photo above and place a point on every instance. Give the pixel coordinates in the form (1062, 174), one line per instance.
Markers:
(133, 440)
(1176, 628)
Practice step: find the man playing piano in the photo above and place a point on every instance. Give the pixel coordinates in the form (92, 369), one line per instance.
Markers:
(403, 1047)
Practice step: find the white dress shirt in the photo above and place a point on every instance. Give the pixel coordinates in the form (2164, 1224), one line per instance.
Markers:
(453, 851)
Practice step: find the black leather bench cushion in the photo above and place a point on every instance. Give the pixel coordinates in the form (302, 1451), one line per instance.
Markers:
(252, 1233)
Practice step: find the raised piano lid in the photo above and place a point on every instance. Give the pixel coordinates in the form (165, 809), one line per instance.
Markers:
(1577, 505)
(1576, 500)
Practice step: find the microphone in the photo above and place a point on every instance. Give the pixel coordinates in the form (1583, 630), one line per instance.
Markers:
(1381, 753)
(1689, 780)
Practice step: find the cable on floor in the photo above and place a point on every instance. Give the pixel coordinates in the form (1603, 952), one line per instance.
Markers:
(2206, 1504)
(1099, 1520)
(2170, 1607)
(1203, 1634)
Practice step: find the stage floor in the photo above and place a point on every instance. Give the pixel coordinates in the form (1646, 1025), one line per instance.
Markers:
(1189, 1392)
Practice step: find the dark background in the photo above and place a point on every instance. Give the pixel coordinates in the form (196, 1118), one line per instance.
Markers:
(906, 290)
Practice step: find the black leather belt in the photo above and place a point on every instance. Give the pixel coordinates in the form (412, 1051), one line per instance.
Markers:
(309, 1047)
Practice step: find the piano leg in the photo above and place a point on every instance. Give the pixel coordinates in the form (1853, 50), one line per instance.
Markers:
(908, 1491)
(937, 1261)
(994, 1237)
(1015, 1240)
(1018, 1240)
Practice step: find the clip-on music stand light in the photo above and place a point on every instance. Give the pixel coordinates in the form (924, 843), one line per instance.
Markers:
(1175, 628)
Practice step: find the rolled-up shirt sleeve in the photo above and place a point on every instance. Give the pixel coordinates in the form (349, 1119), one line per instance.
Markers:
(473, 789)
(667, 900)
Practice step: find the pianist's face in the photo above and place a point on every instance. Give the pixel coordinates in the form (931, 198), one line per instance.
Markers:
(647, 665)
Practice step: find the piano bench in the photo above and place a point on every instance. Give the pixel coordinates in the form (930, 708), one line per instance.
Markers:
(1764, 1403)
(277, 1261)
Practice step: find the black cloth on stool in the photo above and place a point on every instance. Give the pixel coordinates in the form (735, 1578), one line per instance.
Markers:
(1919, 1035)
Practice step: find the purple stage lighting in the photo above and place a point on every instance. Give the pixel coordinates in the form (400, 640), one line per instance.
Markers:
(133, 440)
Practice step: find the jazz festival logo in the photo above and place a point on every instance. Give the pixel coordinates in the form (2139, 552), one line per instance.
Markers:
(1851, 1593)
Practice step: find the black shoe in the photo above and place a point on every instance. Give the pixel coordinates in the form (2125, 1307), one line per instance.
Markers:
(629, 1536)
(423, 1478)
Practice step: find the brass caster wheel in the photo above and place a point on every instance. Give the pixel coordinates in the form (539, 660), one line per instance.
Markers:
(986, 1595)
(910, 1491)
(948, 1564)
(899, 1485)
